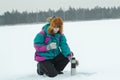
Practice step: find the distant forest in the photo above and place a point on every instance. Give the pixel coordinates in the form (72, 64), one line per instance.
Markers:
(72, 14)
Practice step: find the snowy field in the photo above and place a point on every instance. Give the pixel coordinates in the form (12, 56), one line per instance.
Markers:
(96, 44)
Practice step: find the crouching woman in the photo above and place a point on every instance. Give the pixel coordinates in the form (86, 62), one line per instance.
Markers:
(52, 51)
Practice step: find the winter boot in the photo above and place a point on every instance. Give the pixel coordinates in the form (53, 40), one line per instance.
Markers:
(60, 72)
(39, 72)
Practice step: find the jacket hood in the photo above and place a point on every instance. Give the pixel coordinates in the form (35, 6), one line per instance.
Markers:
(45, 28)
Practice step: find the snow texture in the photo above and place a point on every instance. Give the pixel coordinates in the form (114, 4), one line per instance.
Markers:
(96, 44)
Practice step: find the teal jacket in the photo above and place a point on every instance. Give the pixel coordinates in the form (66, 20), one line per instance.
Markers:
(43, 39)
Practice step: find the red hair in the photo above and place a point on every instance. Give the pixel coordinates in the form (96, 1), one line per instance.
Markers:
(56, 22)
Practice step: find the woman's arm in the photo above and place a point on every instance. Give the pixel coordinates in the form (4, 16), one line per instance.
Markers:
(64, 47)
(39, 43)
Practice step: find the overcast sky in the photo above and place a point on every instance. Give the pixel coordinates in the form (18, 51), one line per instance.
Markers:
(36, 5)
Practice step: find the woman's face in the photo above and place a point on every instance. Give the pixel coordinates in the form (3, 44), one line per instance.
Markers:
(55, 29)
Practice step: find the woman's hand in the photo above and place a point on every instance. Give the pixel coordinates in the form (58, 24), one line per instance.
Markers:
(51, 46)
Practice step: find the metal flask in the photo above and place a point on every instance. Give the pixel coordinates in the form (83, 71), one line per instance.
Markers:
(73, 66)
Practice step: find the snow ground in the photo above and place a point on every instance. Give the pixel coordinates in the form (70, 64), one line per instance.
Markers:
(96, 44)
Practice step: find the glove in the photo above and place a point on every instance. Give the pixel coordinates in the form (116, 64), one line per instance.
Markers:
(70, 57)
(77, 62)
(51, 46)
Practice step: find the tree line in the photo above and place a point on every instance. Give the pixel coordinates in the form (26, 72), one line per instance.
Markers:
(72, 14)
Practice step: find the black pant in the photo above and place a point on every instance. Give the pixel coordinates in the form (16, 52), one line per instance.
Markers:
(52, 67)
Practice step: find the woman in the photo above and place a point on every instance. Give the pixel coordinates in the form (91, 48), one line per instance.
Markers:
(52, 50)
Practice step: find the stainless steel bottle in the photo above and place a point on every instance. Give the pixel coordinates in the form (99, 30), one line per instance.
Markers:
(73, 66)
